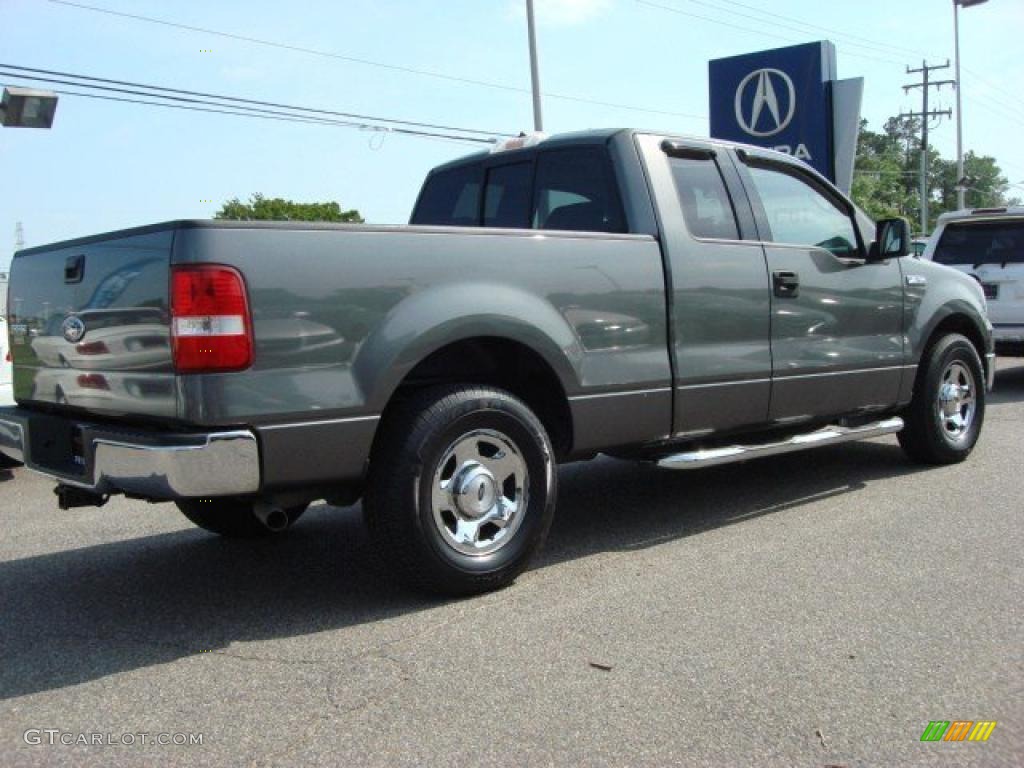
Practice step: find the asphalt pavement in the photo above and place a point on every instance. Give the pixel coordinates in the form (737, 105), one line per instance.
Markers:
(816, 609)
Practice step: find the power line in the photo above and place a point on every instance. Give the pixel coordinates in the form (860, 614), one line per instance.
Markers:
(368, 62)
(997, 104)
(848, 39)
(264, 115)
(730, 25)
(873, 43)
(681, 12)
(989, 84)
(237, 99)
(996, 108)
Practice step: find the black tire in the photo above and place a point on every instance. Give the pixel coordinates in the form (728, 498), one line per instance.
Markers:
(416, 435)
(233, 518)
(928, 435)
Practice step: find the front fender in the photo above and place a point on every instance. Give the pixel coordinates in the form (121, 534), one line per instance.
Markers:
(440, 315)
(944, 294)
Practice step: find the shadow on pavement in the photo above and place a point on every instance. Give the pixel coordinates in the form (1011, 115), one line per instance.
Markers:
(623, 506)
(78, 615)
(1009, 386)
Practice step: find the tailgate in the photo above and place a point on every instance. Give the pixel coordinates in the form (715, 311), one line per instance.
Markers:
(90, 326)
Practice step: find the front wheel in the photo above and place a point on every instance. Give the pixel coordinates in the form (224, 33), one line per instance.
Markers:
(944, 419)
(461, 489)
(237, 518)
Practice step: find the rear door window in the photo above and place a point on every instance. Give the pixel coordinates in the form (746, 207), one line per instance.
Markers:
(576, 191)
(981, 242)
(507, 196)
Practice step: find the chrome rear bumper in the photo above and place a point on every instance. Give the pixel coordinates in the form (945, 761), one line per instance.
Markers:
(153, 465)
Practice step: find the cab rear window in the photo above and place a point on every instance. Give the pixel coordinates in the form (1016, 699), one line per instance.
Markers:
(981, 242)
(570, 189)
(450, 198)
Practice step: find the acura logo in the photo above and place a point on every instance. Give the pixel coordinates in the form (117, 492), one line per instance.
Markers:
(758, 111)
(73, 328)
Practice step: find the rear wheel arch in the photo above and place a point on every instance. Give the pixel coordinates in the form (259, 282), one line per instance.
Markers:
(501, 362)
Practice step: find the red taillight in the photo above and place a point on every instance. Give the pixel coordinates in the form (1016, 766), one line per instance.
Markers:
(91, 348)
(93, 381)
(210, 325)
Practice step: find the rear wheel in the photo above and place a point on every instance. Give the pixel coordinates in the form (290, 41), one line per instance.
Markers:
(237, 518)
(461, 489)
(944, 419)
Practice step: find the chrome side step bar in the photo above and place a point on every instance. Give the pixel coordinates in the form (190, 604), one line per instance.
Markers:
(709, 457)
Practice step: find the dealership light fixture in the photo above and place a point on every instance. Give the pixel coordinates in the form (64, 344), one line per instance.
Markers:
(27, 108)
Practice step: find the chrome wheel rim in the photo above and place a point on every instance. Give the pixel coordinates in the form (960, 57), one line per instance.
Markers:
(478, 494)
(956, 403)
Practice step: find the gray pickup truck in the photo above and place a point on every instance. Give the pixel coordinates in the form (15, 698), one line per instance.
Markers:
(681, 301)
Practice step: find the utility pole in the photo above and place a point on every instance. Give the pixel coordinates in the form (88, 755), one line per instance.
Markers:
(19, 236)
(531, 26)
(925, 114)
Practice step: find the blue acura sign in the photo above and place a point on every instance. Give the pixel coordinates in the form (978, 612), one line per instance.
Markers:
(779, 99)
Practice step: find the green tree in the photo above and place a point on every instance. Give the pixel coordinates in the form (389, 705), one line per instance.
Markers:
(887, 179)
(987, 187)
(879, 182)
(278, 209)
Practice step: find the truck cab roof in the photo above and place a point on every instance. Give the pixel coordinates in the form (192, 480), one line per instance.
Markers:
(599, 136)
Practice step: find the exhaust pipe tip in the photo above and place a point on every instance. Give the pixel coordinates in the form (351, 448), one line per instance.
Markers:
(274, 518)
(277, 520)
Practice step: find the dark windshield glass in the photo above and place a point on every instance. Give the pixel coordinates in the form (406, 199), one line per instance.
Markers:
(450, 198)
(507, 196)
(982, 242)
(576, 190)
(555, 189)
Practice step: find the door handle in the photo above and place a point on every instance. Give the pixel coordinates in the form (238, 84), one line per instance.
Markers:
(786, 285)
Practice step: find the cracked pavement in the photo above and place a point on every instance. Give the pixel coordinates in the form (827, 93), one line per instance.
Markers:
(812, 609)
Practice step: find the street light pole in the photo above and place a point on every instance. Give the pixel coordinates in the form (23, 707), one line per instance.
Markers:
(961, 188)
(961, 193)
(538, 118)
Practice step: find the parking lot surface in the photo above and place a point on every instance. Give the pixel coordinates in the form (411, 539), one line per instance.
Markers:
(813, 609)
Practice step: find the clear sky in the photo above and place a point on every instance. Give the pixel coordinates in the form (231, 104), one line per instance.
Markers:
(105, 165)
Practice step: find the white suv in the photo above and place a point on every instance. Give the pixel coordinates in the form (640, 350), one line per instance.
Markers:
(988, 245)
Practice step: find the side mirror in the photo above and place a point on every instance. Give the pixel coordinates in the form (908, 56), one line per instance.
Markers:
(892, 240)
